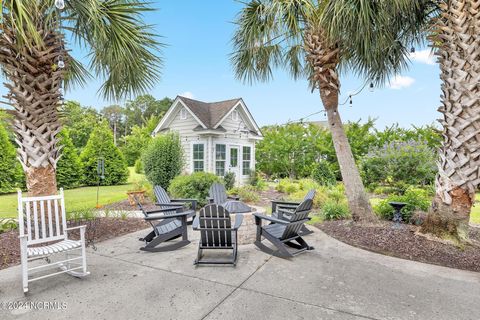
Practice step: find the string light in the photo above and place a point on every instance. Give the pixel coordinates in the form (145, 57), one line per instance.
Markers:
(372, 87)
(60, 4)
(412, 50)
(61, 63)
(351, 101)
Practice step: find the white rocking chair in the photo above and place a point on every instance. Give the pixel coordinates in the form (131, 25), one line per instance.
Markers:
(43, 233)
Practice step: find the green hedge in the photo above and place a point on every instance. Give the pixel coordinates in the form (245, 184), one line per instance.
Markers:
(11, 173)
(163, 159)
(194, 186)
(69, 167)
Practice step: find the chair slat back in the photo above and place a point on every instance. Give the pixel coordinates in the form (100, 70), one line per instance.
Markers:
(162, 197)
(42, 219)
(310, 194)
(297, 217)
(218, 193)
(215, 217)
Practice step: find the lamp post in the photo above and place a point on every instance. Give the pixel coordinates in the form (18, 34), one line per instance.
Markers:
(100, 175)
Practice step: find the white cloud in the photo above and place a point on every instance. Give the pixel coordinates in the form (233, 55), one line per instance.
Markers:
(423, 56)
(187, 94)
(401, 82)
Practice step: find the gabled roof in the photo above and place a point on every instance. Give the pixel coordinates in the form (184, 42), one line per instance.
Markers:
(210, 113)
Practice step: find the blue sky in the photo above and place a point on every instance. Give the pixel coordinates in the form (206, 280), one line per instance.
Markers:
(197, 64)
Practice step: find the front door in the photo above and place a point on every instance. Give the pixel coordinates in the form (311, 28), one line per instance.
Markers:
(234, 163)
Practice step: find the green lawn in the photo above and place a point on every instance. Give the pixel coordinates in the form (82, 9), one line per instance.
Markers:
(79, 198)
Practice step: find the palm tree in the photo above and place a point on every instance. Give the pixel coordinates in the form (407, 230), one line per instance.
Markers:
(456, 38)
(292, 34)
(36, 61)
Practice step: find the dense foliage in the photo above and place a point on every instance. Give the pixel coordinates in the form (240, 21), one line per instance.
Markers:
(323, 173)
(142, 108)
(293, 150)
(194, 186)
(229, 180)
(80, 122)
(399, 164)
(415, 198)
(100, 145)
(135, 143)
(163, 159)
(11, 173)
(69, 167)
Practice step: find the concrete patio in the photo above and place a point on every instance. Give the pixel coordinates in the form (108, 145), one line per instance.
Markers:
(335, 281)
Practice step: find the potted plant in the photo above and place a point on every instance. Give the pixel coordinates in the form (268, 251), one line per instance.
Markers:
(138, 191)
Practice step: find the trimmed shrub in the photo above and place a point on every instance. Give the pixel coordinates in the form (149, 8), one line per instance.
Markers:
(69, 167)
(415, 198)
(194, 186)
(11, 173)
(323, 174)
(139, 166)
(163, 159)
(100, 145)
(229, 180)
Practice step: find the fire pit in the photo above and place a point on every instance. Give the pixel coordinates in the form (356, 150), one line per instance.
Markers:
(248, 229)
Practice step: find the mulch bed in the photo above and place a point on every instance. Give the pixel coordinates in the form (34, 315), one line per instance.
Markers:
(266, 196)
(105, 228)
(406, 243)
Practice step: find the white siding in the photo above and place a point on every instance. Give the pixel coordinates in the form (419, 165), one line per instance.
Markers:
(185, 130)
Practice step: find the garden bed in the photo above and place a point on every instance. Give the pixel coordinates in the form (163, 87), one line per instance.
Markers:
(105, 228)
(405, 243)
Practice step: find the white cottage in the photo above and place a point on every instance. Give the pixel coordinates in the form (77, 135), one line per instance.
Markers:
(217, 137)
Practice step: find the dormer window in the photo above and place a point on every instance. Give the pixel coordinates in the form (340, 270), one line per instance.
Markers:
(183, 114)
(235, 115)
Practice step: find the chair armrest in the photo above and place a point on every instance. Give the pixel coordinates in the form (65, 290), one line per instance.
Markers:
(193, 202)
(233, 197)
(272, 219)
(164, 210)
(163, 216)
(279, 202)
(23, 236)
(238, 221)
(75, 228)
(167, 204)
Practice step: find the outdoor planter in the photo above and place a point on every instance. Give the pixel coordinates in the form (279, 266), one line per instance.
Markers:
(139, 194)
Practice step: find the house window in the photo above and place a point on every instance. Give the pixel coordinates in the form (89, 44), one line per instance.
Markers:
(220, 158)
(233, 157)
(183, 114)
(247, 158)
(198, 157)
(235, 115)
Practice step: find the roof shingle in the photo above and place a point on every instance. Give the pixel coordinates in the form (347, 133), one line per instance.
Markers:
(209, 113)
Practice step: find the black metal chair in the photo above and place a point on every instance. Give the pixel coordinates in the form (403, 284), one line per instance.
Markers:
(164, 201)
(216, 232)
(283, 209)
(217, 194)
(284, 234)
(172, 225)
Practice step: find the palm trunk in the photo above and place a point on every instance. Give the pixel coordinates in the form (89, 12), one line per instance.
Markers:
(457, 40)
(324, 59)
(34, 92)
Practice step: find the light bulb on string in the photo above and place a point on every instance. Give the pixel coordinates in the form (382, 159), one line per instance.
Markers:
(372, 87)
(60, 4)
(412, 50)
(61, 63)
(335, 112)
(351, 101)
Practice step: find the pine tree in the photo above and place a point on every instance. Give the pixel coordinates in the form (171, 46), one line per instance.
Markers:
(69, 167)
(100, 145)
(11, 174)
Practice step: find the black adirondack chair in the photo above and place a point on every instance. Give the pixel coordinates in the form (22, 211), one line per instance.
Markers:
(284, 234)
(283, 209)
(216, 232)
(217, 194)
(172, 224)
(164, 201)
